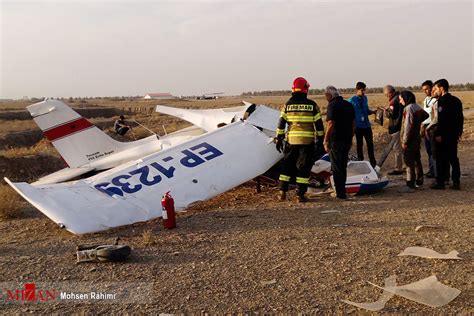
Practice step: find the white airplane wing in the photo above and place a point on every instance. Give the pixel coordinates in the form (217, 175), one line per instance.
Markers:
(195, 170)
(63, 175)
(208, 119)
(265, 117)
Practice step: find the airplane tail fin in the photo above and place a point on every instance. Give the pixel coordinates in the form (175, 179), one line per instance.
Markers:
(76, 139)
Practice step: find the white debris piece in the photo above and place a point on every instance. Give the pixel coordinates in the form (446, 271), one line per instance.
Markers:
(422, 227)
(428, 291)
(391, 281)
(268, 282)
(330, 211)
(428, 253)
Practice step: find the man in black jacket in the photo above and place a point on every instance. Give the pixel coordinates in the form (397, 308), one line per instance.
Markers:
(338, 139)
(447, 134)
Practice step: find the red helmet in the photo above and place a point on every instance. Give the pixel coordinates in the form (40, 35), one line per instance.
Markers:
(300, 85)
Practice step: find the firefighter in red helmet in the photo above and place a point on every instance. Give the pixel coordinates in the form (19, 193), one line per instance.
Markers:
(305, 127)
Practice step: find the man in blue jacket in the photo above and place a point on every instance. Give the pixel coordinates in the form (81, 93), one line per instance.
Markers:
(363, 127)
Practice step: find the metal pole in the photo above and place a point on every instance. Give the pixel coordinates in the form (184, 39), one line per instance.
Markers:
(145, 127)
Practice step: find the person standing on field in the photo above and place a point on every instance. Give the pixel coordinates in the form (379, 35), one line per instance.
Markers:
(363, 127)
(430, 107)
(447, 135)
(413, 116)
(305, 125)
(394, 111)
(341, 126)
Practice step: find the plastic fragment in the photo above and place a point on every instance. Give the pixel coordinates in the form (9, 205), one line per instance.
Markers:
(429, 253)
(428, 291)
(423, 227)
(379, 304)
(268, 282)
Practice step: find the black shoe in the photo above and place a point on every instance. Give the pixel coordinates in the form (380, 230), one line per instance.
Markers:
(395, 173)
(429, 175)
(411, 184)
(301, 199)
(455, 186)
(419, 183)
(437, 186)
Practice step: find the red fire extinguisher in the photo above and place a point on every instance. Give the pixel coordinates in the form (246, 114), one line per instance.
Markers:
(169, 217)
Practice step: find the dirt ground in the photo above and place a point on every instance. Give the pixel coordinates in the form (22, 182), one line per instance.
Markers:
(244, 252)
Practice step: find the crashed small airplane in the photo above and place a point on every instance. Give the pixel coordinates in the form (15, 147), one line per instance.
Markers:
(195, 170)
(195, 164)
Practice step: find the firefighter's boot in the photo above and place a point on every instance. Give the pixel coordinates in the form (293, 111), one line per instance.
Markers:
(281, 196)
(301, 199)
(300, 192)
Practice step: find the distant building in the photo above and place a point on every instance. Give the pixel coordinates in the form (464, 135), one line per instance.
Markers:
(159, 96)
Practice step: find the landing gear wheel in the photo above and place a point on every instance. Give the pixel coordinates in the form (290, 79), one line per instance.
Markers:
(113, 253)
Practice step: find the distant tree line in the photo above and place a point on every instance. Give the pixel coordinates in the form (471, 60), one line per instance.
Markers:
(453, 87)
(74, 99)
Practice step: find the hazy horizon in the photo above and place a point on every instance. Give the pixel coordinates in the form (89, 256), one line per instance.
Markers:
(123, 48)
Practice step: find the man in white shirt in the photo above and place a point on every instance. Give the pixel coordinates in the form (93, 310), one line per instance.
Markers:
(429, 105)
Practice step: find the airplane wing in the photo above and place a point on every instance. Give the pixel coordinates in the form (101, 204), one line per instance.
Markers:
(265, 117)
(208, 119)
(195, 170)
(63, 175)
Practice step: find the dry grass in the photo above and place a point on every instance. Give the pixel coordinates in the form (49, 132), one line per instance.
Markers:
(8, 126)
(149, 238)
(10, 203)
(41, 147)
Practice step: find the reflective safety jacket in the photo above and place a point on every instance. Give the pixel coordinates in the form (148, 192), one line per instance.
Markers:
(304, 120)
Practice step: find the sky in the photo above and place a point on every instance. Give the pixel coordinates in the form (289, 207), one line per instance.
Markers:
(122, 48)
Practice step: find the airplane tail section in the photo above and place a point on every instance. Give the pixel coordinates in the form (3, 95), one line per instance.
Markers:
(76, 139)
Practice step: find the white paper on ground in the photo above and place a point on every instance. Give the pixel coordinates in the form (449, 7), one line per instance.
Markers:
(428, 291)
(391, 281)
(428, 253)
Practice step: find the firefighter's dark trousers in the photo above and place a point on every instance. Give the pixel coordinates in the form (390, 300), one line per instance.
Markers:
(297, 162)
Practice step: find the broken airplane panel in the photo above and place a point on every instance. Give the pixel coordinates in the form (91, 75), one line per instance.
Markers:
(195, 170)
(209, 119)
(361, 177)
